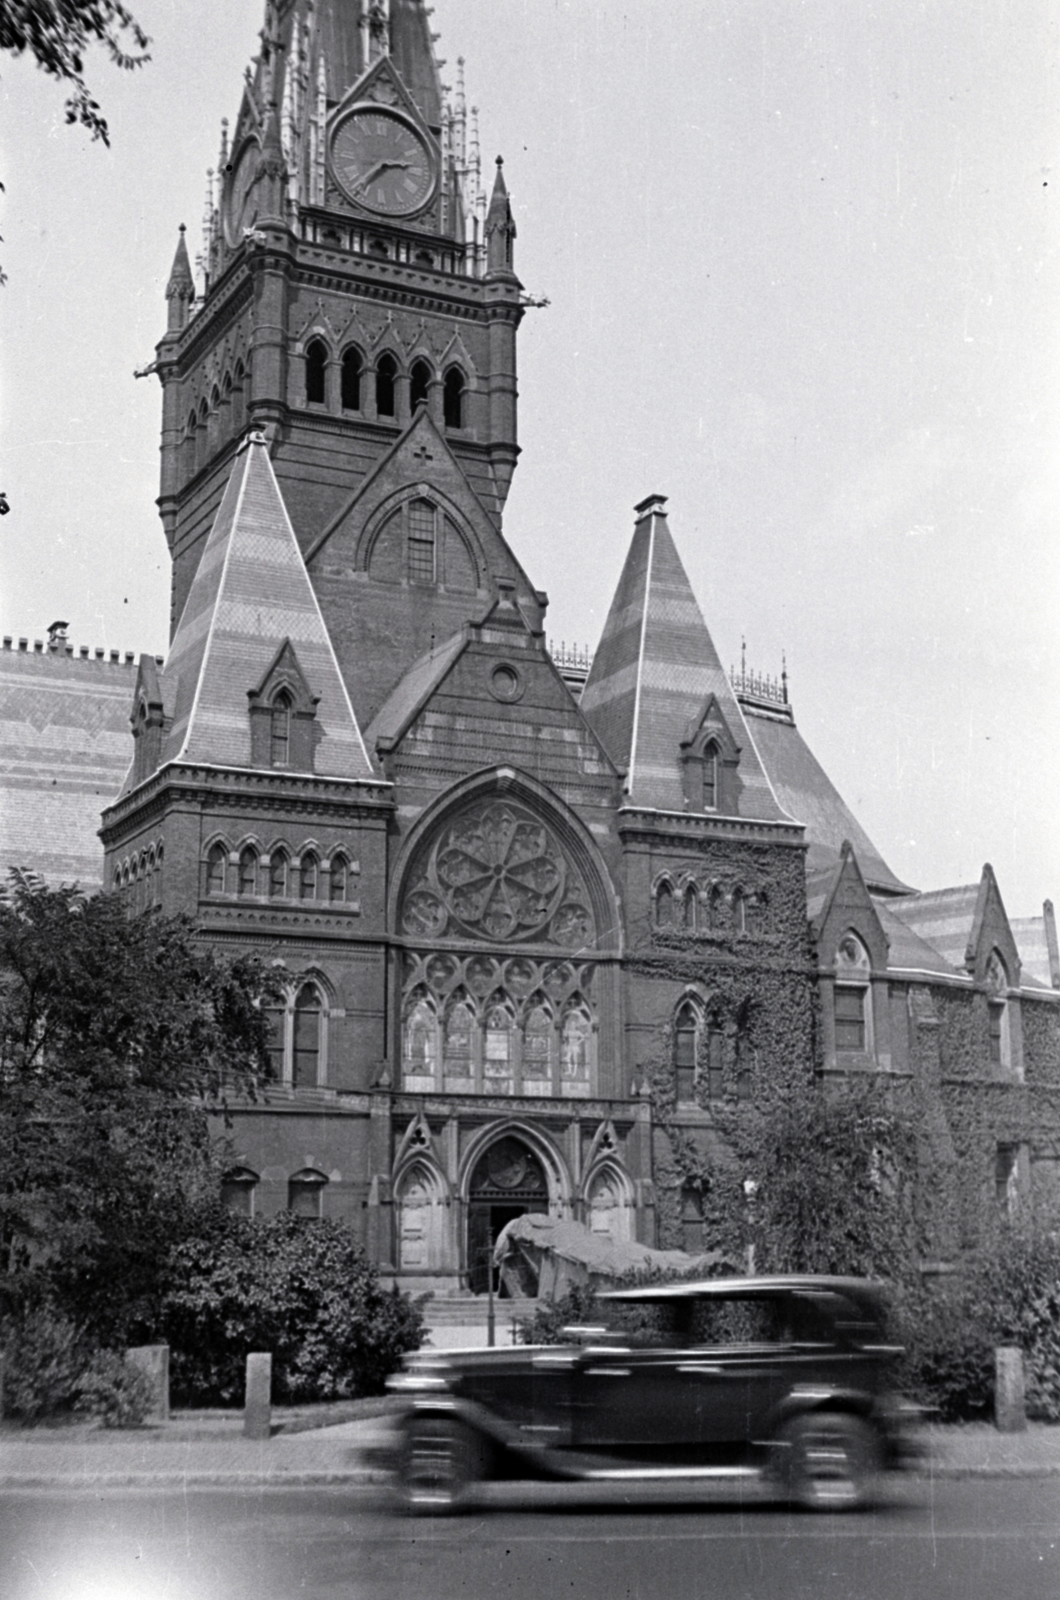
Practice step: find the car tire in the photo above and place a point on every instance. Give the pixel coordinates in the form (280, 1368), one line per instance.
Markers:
(440, 1460)
(828, 1461)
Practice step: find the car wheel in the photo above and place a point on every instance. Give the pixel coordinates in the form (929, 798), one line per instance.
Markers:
(828, 1460)
(440, 1459)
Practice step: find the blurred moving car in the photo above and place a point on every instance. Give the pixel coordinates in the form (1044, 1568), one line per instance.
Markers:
(782, 1377)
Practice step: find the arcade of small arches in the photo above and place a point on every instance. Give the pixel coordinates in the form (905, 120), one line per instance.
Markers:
(385, 388)
(139, 877)
(280, 873)
(691, 907)
(498, 1045)
(220, 416)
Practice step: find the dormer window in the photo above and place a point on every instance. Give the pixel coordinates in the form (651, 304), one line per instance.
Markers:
(419, 384)
(453, 398)
(852, 997)
(351, 380)
(385, 386)
(710, 777)
(999, 1031)
(280, 730)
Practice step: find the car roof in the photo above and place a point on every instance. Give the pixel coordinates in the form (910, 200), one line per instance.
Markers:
(801, 1283)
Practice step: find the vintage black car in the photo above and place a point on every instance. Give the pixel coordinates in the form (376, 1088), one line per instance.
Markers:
(785, 1378)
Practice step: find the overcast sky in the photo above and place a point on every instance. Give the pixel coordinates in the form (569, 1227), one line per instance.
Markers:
(803, 270)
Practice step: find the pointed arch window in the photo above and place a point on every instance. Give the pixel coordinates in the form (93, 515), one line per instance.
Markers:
(739, 911)
(280, 730)
(338, 879)
(248, 871)
(999, 1034)
(575, 1045)
(279, 866)
(308, 1016)
(419, 384)
(421, 542)
(385, 386)
(498, 1054)
(216, 863)
(352, 369)
(664, 905)
(316, 369)
(686, 1039)
(276, 1022)
(453, 398)
(537, 1049)
(459, 1038)
(420, 1042)
(689, 908)
(308, 872)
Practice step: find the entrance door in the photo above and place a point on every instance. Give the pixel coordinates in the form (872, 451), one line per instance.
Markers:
(508, 1181)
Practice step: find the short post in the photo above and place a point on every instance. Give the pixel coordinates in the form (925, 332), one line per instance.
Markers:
(1010, 1412)
(1, 1387)
(257, 1413)
(153, 1361)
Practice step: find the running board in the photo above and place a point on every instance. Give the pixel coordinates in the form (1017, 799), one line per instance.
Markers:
(672, 1472)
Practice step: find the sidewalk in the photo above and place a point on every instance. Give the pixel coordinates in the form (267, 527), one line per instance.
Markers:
(213, 1452)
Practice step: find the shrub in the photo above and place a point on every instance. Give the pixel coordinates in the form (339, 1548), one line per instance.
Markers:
(44, 1356)
(949, 1360)
(303, 1291)
(113, 1390)
(550, 1317)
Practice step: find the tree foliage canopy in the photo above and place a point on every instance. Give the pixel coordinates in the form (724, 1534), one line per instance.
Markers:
(57, 34)
(119, 1038)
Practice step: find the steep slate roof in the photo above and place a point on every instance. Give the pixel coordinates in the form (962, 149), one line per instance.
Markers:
(413, 691)
(807, 793)
(652, 675)
(1034, 936)
(64, 733)
(942, 917)
(908, 951)
(251, 592)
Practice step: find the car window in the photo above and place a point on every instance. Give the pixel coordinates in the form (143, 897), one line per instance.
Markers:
(743, 1320)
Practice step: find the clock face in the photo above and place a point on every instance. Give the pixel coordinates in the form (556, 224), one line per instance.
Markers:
(381, 162)
(241, 206)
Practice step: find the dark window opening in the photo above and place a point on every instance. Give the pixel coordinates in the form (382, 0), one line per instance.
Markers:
(306, 1038)
(307, 878)
(997, 1016)
(351, 380)
(337, 889)
(275, 1019)
(849, 1018)
(685, 1053)
(316, 365)
(420, 384)
(305, 1194)
(237, 1191)
(664, 905)
(385, 386)
(453, 398)
(421, 542)
(688, 908)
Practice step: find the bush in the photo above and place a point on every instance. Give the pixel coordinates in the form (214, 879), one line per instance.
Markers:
(113, 1390)
(949, 1360)
(44, 1356)
(303, 1291)
(550, 1317)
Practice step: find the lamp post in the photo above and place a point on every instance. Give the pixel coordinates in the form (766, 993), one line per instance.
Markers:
(750, 1191)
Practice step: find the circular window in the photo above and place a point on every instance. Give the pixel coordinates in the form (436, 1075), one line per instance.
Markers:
(505, 683)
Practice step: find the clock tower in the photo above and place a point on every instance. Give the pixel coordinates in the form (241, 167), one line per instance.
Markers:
(360, 310)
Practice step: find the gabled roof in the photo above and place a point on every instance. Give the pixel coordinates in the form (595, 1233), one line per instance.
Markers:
(250, 593)
(413, 691)
(807, 793)
(653, 674)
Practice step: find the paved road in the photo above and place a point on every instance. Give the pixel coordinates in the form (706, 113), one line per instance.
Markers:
(969, 1540)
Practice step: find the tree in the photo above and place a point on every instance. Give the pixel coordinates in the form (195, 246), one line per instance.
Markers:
(120, 1040)
(58, 32)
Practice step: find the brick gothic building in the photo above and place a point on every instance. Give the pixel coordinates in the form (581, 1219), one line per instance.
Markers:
(526, 937)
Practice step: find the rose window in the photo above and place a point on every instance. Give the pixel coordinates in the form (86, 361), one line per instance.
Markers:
(497, 873)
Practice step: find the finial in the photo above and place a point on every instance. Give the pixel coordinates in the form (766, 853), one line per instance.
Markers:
(743, 656)
(784, 674)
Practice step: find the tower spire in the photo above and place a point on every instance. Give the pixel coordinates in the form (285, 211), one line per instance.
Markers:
(500, 226)
(180, 290)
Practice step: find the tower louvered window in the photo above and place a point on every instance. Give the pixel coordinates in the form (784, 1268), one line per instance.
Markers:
(316, 364)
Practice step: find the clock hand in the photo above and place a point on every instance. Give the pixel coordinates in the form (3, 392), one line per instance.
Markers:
(373, 172)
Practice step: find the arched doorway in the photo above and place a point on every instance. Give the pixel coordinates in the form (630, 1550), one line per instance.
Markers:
(508, 1180)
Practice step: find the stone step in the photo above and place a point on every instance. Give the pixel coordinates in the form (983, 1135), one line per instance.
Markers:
(473, 1310)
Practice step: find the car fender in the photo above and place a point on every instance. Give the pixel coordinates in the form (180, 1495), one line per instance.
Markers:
(474, 1416)
(820, 1397)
